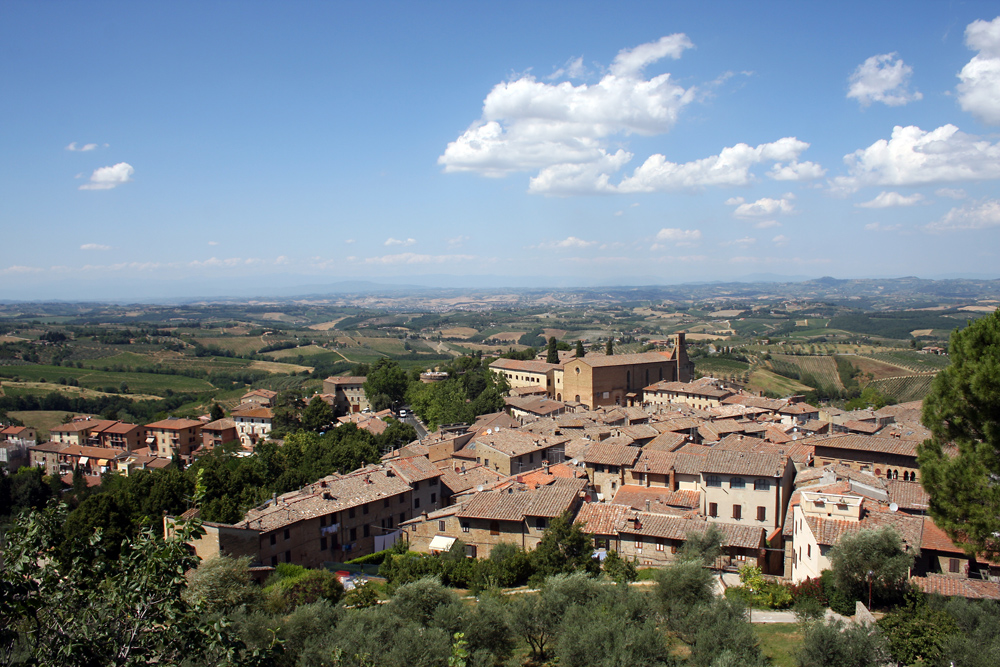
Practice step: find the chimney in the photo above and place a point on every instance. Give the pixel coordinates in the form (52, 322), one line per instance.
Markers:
(647, 505)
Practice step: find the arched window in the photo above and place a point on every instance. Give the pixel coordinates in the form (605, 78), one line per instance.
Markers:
(888, 474)
(895, 474)
(577, 399)
(737, 483)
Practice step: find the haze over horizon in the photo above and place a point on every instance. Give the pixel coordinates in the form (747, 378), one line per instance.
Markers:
(225, 149)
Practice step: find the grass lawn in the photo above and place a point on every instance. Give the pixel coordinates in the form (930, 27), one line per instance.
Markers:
(761, 380)
(780, 642)
(41, 420)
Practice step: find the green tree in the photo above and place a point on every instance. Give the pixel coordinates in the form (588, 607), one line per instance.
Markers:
(386, 379)
(609, 348)
(621, 570)
(552, 355)
(705, 546)
(217, 412)
(564, 548)
(222, 584)
(962, 412)
(917, 632)
(580, 352)
(874, 557)
(836, 644)
(317, 416)
(681, 590)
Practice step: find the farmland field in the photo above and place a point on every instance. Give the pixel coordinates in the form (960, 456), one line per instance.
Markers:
(914, 361)
(147, 383)
(905, 388)
(305, 351)
(238, 344)
(763, 380)
(824, 369)
(716, 366)
(879, 369)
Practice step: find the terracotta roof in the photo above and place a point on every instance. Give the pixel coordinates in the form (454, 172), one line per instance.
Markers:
(908, 495)
(666, 442)
(328, 495)
(974, 589)
(655, 461)
(47, 447)
(771, 404)
(829, 531)
(861, 427)
(742, 463)
(219, 425)
(346, 379)
(690, 389)
(613, 455)
(516, 443)
(604, 361)
(264, 393)
(638, 431)
(415, 469)
(174, 424)
(688, 463)
(601, 518)
(538, 406)
(122, 428)
(797, 409)
(104, 453)
(254, 413)
(514, 505)
(473, 476)
(660, 497)
(935, 539)
(869, 443)
(523, 366)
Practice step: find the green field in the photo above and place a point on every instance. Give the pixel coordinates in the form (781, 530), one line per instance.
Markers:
(143, 383)
(822, 368)
(905, 388)
(239, 344)
(780, 642)
(42, 420)
(764, 380)
(716, 366)
(912, 360)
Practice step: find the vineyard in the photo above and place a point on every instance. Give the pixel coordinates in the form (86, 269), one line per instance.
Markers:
(905, 387)
(809, 369)
(912, 361)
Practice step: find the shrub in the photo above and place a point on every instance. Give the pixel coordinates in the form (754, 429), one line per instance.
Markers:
(810, 588)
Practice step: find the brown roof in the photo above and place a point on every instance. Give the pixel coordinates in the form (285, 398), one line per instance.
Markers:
(659, 497)
(861, 427)
(868, 443)
(105, 453)
(537, 406)
(174, 424)
(688, 463)
(601, 518)
(254, 413)
(908, 495)
(603, 360)
(514, 505)
(347, 379)
(829, 531)
(742, 463)
(515, 443)
(474, 475)
(415, 468)
(666, 442)
(613, 455)
(935, 539)
(690, 389)
(47, 447)
(524, 366)
(974, 589)
(219, 425)
(773, 404)
(655, 461)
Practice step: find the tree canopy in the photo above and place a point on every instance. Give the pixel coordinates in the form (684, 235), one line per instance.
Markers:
(870, 555)
(960, 463)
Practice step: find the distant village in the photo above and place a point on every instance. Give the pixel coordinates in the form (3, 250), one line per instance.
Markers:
(632, 447)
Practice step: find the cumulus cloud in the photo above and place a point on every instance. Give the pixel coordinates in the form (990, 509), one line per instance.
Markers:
(981, 215)
(107, 178)
(765, 206)
(883, 78)
(730, 167)
(878, 227)
(413, 258)
(573, 69)
(887, 199)
(573, 242)
(979, 90)
(671, 236)
(796, 171)
(94, 246)
(348, 241)
(391, 241)
(83, 148)
(914, 157)
(780, 240)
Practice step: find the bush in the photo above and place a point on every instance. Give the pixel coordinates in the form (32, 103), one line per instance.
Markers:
(808, 609)
(811, 589)
(837, 601)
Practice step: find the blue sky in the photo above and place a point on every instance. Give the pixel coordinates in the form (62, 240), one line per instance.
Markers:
(172, 149)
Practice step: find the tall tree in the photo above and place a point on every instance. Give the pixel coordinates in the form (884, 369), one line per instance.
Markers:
(872, 558)
(963, 413)
(580, 352)
(217, 412)
(318, 415)
(609, 348)
(564, 548)
(552, 355)
(386, 379)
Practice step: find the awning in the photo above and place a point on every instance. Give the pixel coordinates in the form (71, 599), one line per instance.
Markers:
(83, 459)
(150, 440)
(441, 543)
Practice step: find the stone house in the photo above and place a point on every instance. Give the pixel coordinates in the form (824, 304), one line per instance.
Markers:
(607, 467)
(513, 452)
(746, 489)
(174, 436)
(891, 458)
(348, 393)
(252, 425)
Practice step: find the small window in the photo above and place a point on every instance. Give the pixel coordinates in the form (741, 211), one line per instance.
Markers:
(416, 502)
(762, 514)
(713, 480)
(494, 527)
(350, 513)
(402, 499)
(366, 530)
(737, 512)
(541, 523)
(354, 534)
(441, 526)
(288, 556)
(287, 534)
(465, 526)
(470, 550)
(364, 508)
(659, 544)
(762, 485)
(713, 509)
(737, 483)
(434, 498)
(638, 545)
(402, 518)
(322, 544)
(416, 485)
(274, 539)
(953, 565)
(274, 561)
(434, 481)
(322, 521)
(385, 502)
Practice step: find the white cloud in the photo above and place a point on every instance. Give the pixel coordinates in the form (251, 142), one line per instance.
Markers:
(107, 178)
(979, 91)
(730, 167)
(974, 216)
(85, 147)
(883, 78)
(573, 69)
(670, 236)
(573, 242)
(780, 240)
(767, 224)
(413, 258)
(914, 157)
(457, 241)
(213, 243)
(887, 199)
(796, 171)
(391, 241)
(348, 241)
(21, 269)
(744, 242)
(765, 206)
(950, 193)
(878, 227)
(528, 124)
(94, 246)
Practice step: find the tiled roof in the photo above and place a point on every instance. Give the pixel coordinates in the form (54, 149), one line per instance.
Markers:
(254, 413)
(772, 404)
(655, 461)
(604, 361)
(659, 497)
(638, 431)
(347, 379)
(105, 453)
(601, 518)
(415, 469)
(48, 447)
(122, 428)
(330, 494)
(515, 443)
(666, 442)
(689, 389)
(829, 531)
(174, 424)
(612, 455)
(935, 539)
(688, 463)
(742, 463)
(908, 495)
(684, 424)
(523, 366)
(514, 505)
(974, 589)
(861, 427)
(869, 443)
(474, 476)
(219, 425)
(538, 406)
(797, 409)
